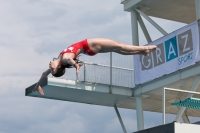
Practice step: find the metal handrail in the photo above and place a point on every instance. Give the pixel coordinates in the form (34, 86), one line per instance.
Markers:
(108, 66)
(101, 65)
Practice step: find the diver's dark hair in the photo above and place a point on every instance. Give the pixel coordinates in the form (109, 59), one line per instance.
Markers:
(60, 71)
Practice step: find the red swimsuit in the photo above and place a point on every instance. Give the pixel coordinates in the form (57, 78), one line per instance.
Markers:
(75, 47)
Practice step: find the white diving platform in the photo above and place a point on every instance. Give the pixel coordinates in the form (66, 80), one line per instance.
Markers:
(83, 92)
(122, 97)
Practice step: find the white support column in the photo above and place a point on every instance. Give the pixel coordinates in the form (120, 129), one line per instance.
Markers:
(194, 87)
(152, 22)
(144, 29)
(185, 118)
(134, 24)
(120, 119)
(163, 104)
(197, 4)
(135, 39)
(139, 112)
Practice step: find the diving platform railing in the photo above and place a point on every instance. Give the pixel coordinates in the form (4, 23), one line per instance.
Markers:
(102, 74)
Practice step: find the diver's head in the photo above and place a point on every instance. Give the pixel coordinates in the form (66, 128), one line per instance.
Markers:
(56, 68)
(59, 72)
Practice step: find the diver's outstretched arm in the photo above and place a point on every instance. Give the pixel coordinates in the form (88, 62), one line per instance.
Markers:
(70, 61)
(38, 87)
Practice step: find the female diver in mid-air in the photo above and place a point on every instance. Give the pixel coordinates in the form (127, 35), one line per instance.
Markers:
(67, 58)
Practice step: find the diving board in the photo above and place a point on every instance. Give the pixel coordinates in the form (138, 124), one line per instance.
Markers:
(83, 92)
(123, 97)
(188, 103)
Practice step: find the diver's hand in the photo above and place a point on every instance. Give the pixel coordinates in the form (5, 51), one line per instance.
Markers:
(149, 49)
(77, 66)
(39, 89)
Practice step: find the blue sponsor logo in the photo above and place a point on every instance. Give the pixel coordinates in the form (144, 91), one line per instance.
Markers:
(179, 47)
(171, 51)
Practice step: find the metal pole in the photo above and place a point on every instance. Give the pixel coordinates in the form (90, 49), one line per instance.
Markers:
(120, 119)
(182, 91)
(84, 72)
(108, 66)
(110, 87)
(144, 29)
(194, 87)
(185, 118)
(163, 105)
(152, 22)
(197, 4)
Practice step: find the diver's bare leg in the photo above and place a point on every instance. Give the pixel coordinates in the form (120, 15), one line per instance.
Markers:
(110, 45)
(130, 53)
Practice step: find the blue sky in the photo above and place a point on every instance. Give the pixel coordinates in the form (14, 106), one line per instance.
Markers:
(32, 33)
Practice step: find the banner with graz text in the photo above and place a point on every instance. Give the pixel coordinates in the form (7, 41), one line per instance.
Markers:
(175, 51)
